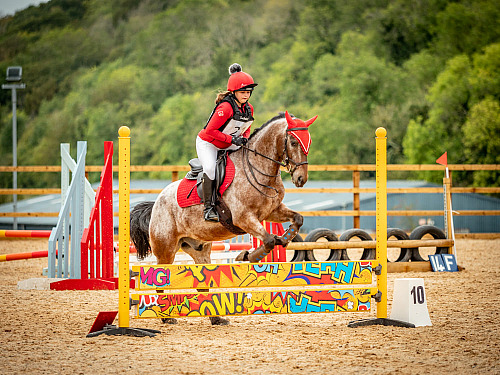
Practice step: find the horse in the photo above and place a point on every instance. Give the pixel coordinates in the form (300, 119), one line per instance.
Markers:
(255, 194)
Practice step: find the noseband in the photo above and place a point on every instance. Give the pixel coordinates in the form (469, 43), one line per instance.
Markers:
(287, 163)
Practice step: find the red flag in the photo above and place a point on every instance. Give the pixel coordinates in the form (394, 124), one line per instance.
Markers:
(443, 159)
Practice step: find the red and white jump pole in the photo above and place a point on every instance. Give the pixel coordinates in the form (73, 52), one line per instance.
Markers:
(25, 233)
(20, 256)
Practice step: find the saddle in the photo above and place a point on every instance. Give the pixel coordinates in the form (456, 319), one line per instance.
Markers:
(196, 172)
(189, 192)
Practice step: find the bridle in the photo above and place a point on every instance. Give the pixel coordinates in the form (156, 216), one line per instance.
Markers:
(287, 163)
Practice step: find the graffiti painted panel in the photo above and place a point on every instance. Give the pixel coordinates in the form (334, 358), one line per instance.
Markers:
(251, 275)
(251, 303)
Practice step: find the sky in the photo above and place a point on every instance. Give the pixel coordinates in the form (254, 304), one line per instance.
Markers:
(9, 7)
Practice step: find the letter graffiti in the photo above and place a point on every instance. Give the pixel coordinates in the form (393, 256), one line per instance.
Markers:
(155, 276)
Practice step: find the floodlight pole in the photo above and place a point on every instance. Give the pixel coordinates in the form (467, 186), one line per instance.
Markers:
(14, 87)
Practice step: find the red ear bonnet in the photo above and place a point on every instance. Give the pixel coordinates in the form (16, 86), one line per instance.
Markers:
(301, 133)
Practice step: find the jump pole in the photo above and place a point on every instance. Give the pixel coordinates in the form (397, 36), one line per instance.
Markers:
(124, 244)
(25, 233)
(381, 236)
(381, 218)
(20, 256)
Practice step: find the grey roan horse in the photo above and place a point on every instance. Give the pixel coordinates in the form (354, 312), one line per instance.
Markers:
(255, 195)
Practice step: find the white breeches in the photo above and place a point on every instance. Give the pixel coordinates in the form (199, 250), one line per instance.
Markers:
(207, 153)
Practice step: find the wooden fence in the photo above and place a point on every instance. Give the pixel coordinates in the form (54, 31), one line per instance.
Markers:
(355, 170)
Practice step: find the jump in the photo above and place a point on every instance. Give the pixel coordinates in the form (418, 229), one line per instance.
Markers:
(255, 194)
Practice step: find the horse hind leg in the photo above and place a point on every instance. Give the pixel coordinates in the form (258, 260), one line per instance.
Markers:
(200, 252)
(164, 255)
(166, 320)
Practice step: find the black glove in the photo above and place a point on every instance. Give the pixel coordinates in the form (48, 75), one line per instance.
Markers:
(239, 141)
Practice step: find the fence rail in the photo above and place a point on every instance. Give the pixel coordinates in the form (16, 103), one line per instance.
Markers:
(312, 167)
(479, 190)
(356, 190)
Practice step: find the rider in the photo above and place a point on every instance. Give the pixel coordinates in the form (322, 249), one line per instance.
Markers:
(228, 128)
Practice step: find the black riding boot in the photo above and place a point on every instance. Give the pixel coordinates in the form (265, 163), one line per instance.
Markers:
(209, 212)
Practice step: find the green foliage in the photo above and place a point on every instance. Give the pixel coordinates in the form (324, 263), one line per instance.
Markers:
(367, 92)
(425, 70)
(323, 22)
(467, 27)
(462, 101)
(407, 27)
(481, 140)
(54, 14)
(171, 137)
(485, 80)
(290, 75)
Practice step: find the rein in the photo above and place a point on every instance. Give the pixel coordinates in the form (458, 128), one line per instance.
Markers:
(286, 164)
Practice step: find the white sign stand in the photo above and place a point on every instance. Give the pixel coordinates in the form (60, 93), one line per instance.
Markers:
(409, 302)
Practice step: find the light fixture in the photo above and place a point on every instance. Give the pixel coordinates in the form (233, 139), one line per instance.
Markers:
(14, 73)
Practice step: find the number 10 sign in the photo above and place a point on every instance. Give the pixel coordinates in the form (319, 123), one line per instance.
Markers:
(410, 303)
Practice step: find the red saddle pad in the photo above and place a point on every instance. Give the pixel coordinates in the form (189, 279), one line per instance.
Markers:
(186, 185)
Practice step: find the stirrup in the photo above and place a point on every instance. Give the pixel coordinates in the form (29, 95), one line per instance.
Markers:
(210, 214)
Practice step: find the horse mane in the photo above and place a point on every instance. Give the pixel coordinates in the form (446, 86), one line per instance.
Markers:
(275, 118)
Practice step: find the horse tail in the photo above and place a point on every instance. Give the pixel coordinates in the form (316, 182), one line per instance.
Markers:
(139, 228)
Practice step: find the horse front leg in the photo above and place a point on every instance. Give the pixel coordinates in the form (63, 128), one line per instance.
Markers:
(252, 226)
(281, 215)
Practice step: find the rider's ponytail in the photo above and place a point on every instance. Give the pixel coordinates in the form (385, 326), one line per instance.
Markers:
(221, 95)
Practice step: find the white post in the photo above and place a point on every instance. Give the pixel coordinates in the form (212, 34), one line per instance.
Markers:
(13, 87)
(14, 153)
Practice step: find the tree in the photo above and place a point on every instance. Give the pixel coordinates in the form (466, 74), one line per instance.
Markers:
(481, 139)
(408, 27)
(365, 92)
(464, 85)
(172, 133)
(466, 27)
(427, 139)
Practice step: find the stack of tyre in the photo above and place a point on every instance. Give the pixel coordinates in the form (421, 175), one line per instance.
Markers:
(405, 255)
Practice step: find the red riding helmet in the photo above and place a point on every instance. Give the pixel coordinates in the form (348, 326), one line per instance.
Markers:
(239, 80)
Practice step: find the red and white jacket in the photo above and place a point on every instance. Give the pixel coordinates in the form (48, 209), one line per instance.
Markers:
(227, 120)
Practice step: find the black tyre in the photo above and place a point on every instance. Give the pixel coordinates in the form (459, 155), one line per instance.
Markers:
(420, 232)
(405, 254)
(298, 255)
(363, 236)
(329, 235)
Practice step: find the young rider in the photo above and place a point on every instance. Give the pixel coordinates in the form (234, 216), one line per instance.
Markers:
(228, 128)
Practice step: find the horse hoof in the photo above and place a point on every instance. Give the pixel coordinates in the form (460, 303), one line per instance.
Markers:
(169, 320)
(243, 256)
(218, 321)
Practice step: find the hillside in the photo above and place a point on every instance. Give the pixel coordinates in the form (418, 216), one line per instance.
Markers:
(428, 71)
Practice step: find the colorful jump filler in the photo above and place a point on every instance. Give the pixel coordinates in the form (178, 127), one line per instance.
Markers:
(248, 276)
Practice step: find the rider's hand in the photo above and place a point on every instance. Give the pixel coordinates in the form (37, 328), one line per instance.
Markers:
(239, 141)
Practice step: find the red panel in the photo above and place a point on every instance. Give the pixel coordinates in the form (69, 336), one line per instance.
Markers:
(98, 239)
(103, 318)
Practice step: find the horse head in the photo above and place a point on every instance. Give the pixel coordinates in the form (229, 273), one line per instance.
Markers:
(297, 148)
